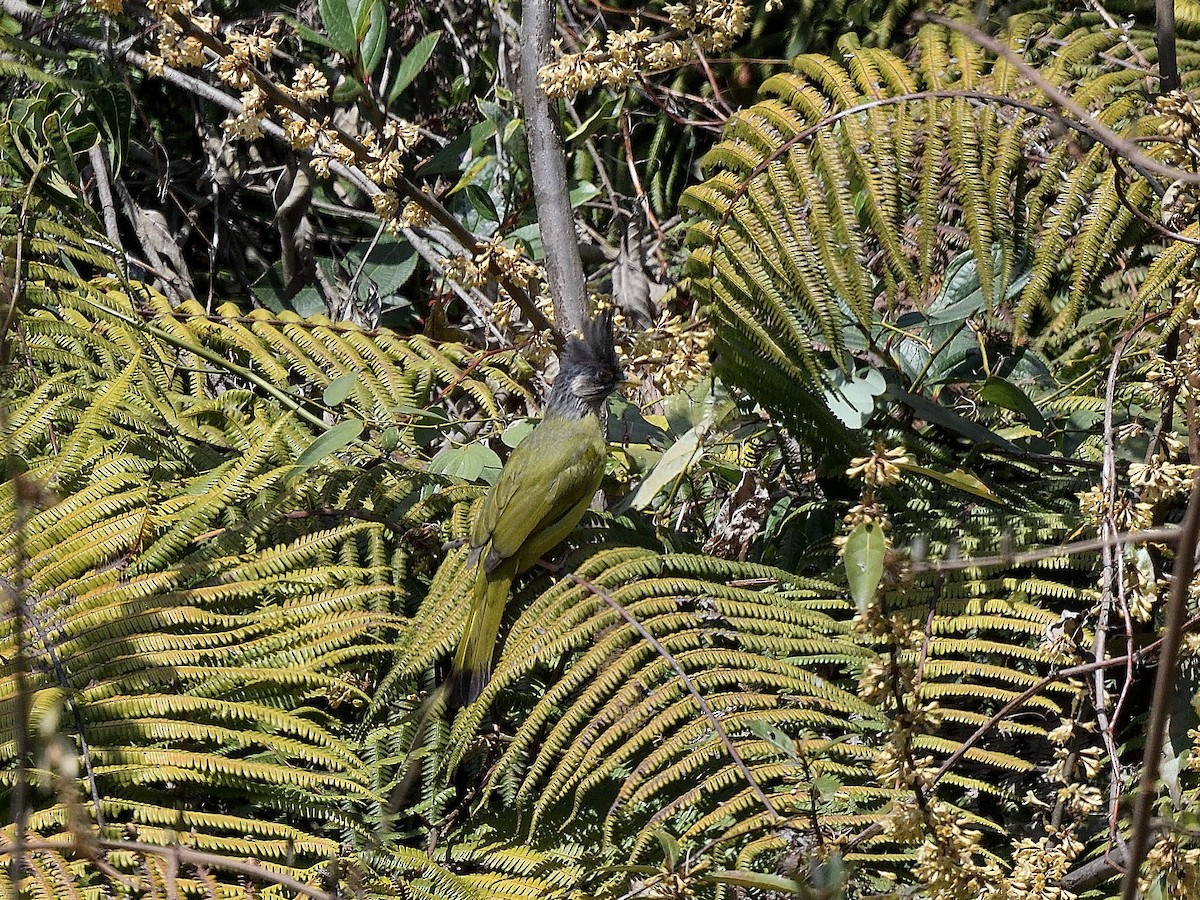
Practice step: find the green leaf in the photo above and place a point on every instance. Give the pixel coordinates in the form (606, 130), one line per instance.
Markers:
(827, 786)
(114, 111)
(582, 193)
(307, 34)
(672, 465)
(347, 90)
(1003, 392)
(937, 414)
(412, 64)
(448, 159)
(372, 29)
(433, 413)
(339, 25)
(339, 389)
(670, 849)
(389, 265)
(853, 399)
(627, 425)
(774, 735)
(865, 549)
(703, 402)
(472, 172)
(962, 295)
(331, 441)
(58, 141)
(959, 478)
(472, 462)
(589, 126)
(482, 202)
(517, 432)
(481, 136)
(494, 113)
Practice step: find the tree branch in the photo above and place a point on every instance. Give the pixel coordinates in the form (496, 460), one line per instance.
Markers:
(1164, 686)
(547, 162)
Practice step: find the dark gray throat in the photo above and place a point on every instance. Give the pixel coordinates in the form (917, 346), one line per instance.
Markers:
(562, 402)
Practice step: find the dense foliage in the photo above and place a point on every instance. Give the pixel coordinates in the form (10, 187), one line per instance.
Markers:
(886, 581)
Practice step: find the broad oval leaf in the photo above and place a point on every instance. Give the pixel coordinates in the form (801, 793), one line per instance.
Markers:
(673, 464)
(339, 25)
(339, 389)
(472, 462)
(373, 37)
(959, 478)
(331, 441)
(865, 549)
(1003, 392)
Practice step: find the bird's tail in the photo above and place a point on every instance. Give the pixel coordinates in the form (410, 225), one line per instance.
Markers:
(473, 660)
(468, 676)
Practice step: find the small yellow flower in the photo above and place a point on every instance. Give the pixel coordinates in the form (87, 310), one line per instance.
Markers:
(309, 84)
(880, 468)
(301, 133)
(386, 204)
(415, 215)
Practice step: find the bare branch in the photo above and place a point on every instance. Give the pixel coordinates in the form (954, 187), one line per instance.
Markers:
(177, 853)
(1167, 534)
(564, 269)
(1164, 686)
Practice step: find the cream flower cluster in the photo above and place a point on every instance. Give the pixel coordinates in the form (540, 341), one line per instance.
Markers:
(696, 26)
(493, 256)
(674, 351)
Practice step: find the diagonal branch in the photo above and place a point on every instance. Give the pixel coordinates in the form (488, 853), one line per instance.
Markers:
(177, 853)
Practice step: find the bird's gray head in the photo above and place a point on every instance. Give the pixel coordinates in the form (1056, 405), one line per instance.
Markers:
(588, 370)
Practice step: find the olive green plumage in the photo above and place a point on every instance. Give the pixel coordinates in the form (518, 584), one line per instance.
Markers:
(543, 491)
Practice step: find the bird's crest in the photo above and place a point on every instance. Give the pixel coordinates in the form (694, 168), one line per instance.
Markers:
(588, 366)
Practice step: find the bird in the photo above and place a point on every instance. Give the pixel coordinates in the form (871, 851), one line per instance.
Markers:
(543, 490)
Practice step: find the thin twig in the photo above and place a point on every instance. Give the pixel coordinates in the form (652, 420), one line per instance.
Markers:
(1134, 50)
(1165, 535)
(1164, 686)
(675, 665)
(1157, 227)
(104, 192)
(1112, 573)
(187, 856)
(639, 191)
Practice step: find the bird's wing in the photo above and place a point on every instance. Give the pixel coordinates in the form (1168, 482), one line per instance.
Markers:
(548, 474)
